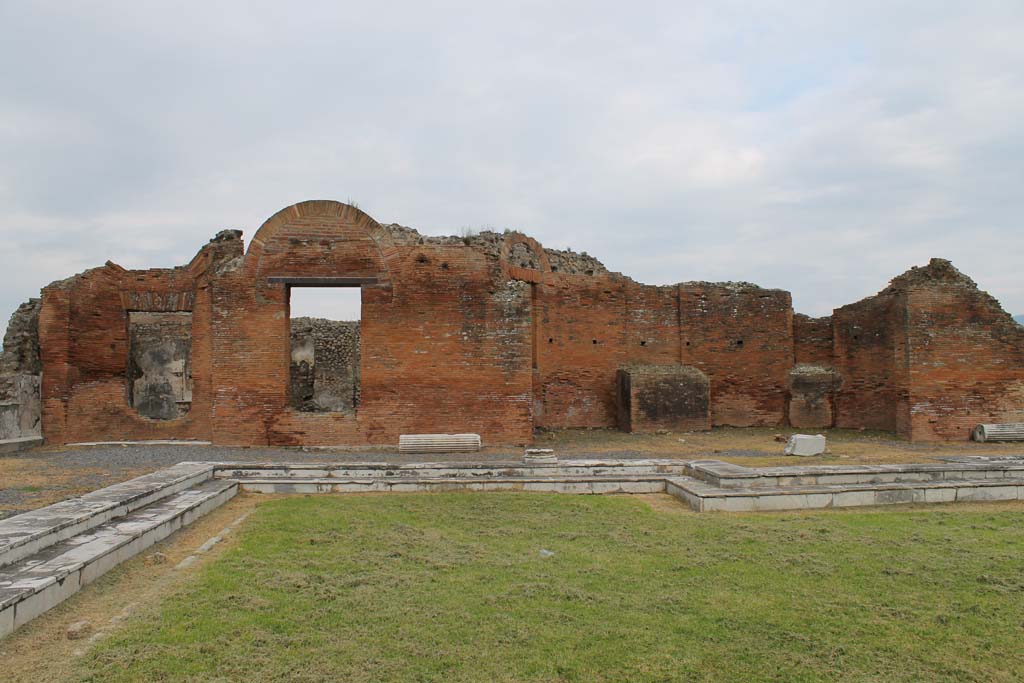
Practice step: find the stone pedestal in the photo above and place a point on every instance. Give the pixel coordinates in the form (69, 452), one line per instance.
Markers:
(671, 397)
(812, 396)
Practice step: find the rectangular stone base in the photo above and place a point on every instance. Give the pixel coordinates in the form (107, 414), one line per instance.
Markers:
(22, 444)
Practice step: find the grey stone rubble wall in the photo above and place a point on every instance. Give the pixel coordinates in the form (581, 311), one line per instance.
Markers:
(490, 242)
(21, 341)
(20, 369)
(324, 365)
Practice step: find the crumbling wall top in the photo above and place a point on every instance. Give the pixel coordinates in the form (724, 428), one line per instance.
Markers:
(21, 341)
(491, 242)
(938, 271)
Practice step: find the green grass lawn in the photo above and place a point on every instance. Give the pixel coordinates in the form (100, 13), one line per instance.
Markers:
(454, 587)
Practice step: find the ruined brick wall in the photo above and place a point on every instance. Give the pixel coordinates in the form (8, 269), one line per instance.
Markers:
(494, 334)
(581, 336)
(812, 340)
(84, 347)
(867, 354)
(445, 342)
(965, 355)
(741, 336)
(929, 357)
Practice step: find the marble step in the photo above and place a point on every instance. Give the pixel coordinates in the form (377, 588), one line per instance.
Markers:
(731, 475)
(28, 533)
(37, 583)
(468, 470)
(553, 484)
(705, 497)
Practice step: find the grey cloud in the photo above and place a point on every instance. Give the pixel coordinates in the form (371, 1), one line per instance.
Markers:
(815, 147)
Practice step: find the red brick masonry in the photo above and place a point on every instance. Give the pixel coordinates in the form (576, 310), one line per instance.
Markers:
(495, 334)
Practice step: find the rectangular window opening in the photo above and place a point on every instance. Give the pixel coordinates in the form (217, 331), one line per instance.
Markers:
(160, 363)
(324, 371)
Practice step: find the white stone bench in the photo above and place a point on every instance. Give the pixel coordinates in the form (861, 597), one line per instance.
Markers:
(994, 432)
(439, 443)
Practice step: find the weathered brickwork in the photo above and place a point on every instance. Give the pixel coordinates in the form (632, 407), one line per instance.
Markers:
(812, 396)
(964, 356)
(812, 339)
(493, 333)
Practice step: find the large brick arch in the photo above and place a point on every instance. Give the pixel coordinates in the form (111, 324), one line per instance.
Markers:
(321, 238)
(516, 271)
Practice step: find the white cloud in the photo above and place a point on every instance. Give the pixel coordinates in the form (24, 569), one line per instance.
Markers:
(818, 147)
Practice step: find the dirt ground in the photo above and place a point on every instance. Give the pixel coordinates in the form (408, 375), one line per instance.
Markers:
(762, 446)
(46, 475)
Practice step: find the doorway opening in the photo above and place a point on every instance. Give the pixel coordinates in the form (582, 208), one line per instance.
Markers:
(324, 327)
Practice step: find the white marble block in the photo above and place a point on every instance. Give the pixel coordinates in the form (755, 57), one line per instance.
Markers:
(805, 444)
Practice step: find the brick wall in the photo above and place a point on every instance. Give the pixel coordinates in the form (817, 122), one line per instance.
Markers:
(966, 356)
(812, 340)
(494, 334)
(867, 354)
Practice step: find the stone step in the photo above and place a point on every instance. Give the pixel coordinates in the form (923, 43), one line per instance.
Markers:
(30, 532)
(705, 497)
(470, 470)
(594, 484)
(22, 443)
(730, 475)
(35, 584)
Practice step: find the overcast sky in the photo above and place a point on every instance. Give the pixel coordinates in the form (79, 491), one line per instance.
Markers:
(822, 148)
